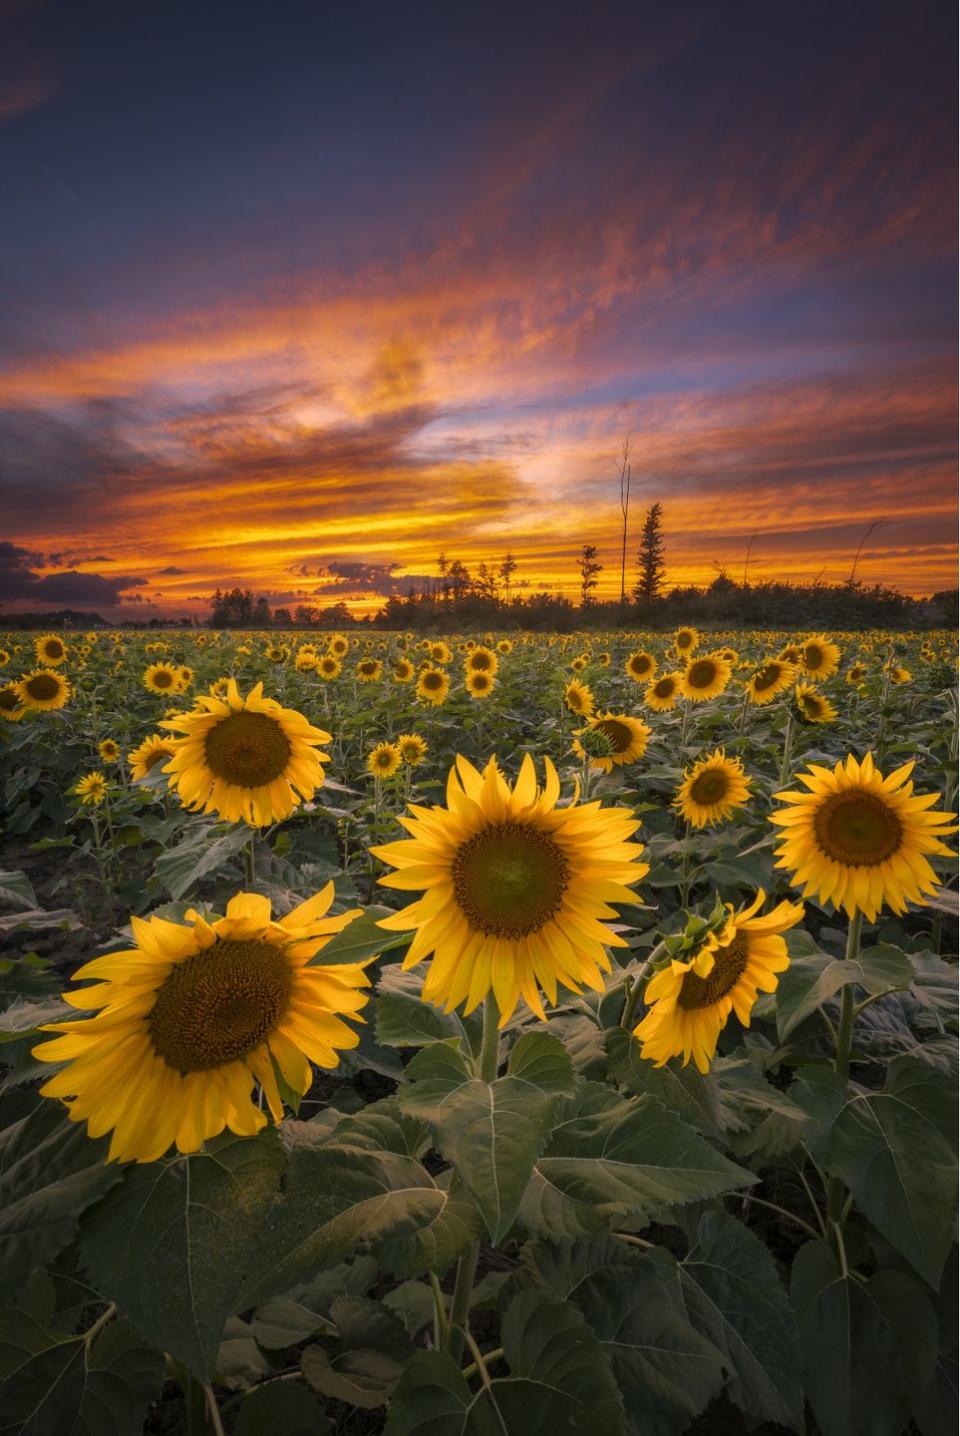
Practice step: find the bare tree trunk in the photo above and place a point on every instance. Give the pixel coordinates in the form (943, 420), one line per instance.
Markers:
(625, 511)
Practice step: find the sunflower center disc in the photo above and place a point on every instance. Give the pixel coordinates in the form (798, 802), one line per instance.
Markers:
(219, 1005)
(163, 679)
(618, 733)
(43, 687)
(728, 964)
(509, 880)
(663, 687)
(813, 657)
(857, 828)
(9, 700)
(53, 649)
(701, 674)
(248, 749)
(710, 787)
(766, 678)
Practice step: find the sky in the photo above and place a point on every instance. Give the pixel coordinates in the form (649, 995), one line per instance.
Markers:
(298, 296)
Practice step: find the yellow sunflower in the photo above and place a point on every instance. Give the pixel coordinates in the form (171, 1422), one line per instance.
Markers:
(109, 750)
(712, 790)
(505, 646)
(685, 640)
(640, 666)
(691, 999)
(770, 680)
(329, 667)
(856, 674)
(4, 658)
(704, 677)
(369, 670)
(276, 653)
(384, 760)
(413, 748)
(43, 690)
(91, 789)
(193, 1016)
(812, 705)
(153, 750)
(819, 657)
(51, 651)
(306, 662)
(578, 698)
(433, 685)
(514, 888)
(184, 677)
(440, 652)
(860, 840)
(11, 707)
(480, 685)
(403, 671)
(161, 678)
(899, 674)
(626, 740)
(245, 759)
(338, 645)
(482, 660)
(663, 692)
(790, 654)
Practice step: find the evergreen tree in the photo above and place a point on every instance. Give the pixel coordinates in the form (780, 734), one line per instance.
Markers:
(589, 568)
(650, 558)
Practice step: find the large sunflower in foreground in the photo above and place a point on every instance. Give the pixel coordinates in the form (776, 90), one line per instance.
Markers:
(514, 888)
(43, 690)
(712, 789)
(245, 759)
(860, 840)
(192, 1016)
(626, 738)
(771, 679)
(691, 999)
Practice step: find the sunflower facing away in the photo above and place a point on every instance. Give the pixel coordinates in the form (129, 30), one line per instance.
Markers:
(43, 690)
(704, 677)
(50, 650)
(860, 840)
(770, 680)
(691, 999)
(662, 693)
(819, 657)
(196, 1013)
(384, 760)
(812, 705)
(153, 750)
(514, 888)
(245, 759)
(626, 740)
(433, 685)
(712, 789)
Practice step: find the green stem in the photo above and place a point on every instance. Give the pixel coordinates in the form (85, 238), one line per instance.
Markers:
(441, 1326)
(836, 1192)
(250, 862)
(633, 996)
(488, 1359)
(787, 750)
(490, 1043)
(99, 1324)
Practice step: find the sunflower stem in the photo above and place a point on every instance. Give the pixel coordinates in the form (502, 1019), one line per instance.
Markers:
(635, 992)
(787, 750)
(490, 1043)
(250, 862)
(836, 1191)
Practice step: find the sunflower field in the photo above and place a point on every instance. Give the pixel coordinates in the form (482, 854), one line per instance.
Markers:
(478, 1035)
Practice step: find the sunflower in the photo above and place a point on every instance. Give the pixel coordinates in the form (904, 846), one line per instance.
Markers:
(276, 653)
(685, 640)
(11, 707)
(604, 659)
(856, 674)
(4, 658)
(729, 655)
(480, 685)
(640, 666)
(790, 653)
(161, 678)
(704, 677)
(626, 740)
(898, 674)
(193, 1016)
(306, 662)
(218, 689)
(505, 646)
(153, 750)
(662, 693)
(384, 760)
(91, 789)
(433, 685)
(329, 667)
(578, 664)
(369, 670)
(860, 840)
(578, 698)
(51, 651)
(440, 652)
(109, 750)
(184, 677)
(770, 680)
(245, 759)
(691, 999)
(413, 749)
(338, 645)
(712, 789)
(43, 690)
(482, 660)
(403, 671)
(819, 657)
(812, 705)
(514, 888)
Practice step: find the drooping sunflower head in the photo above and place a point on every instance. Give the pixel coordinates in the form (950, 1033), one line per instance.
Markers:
(625, 740)
(433, 685)
(246, 759)
(413, 748)
(712, 790)
(482, 660)
(704, 677)
(43, 690)
(770, 680)
(384, 760)
(578, 698)
(663, 692)
(11, 706)
(685, 640)
(812, 706)
(514, 888)
(153, 750)
(403, 671)
(369, 670)
(480, 685)
(860, 840)
(690, 1000)
(91, 789)
(640, 666)
(109, 750)
(162, 678)
(819, 656)
(51, 650)
(196, 1014)
(329, 667)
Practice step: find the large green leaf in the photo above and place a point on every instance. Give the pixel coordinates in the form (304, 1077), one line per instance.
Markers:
(491, 1132)
(202, 851)
(360, 939)
(811, 981)
(50, 1173)
(733, 1296)
(404, 1019)
(171, 1243)
(692, 1095)
(365, 1363)
(280, 1408)
(559, 1380)
(869, 1346)
(609, 1155)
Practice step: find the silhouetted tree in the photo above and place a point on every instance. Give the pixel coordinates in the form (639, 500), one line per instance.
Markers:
(589, 566)
(650, 558)
(507, 569)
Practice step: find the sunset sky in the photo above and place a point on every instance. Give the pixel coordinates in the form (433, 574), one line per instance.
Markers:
(297, 295)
